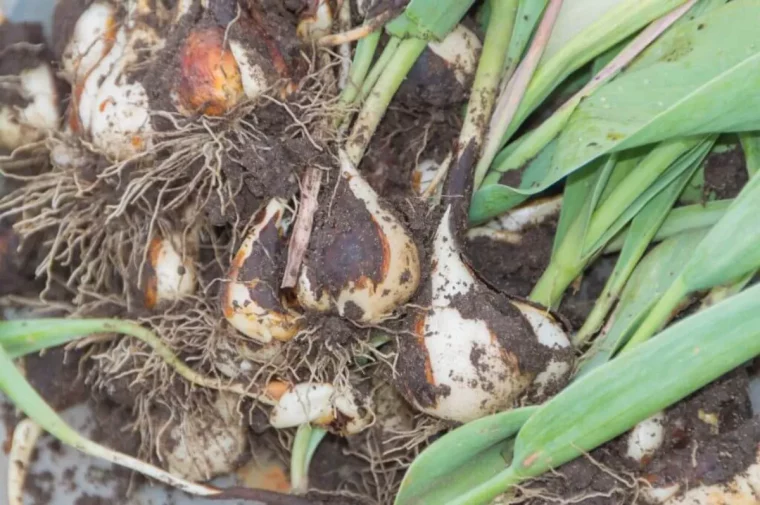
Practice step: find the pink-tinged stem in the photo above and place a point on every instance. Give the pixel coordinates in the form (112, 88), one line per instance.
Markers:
(513, 93)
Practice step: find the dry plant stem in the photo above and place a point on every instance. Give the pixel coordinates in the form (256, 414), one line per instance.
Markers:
(483, 94)
(357, 33)
(344, 16)
(550, 128)
(299, 241)
(513, 93)
(25, 437)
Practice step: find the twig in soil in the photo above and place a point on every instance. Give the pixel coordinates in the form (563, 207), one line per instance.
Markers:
(299, 241)
(357, 33)
(25, 437)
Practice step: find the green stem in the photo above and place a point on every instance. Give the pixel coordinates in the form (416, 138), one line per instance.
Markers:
(24, 337)
(554, 281)
(379, 67)
(645, 174)
(301, 454)
(681, 219)
(488, 74)
(659, 316)
(365, 52)
(382, 93)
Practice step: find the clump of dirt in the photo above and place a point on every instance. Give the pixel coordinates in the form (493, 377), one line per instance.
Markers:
(56, 376)
(407, 136)
(513, 268)
(725, 173)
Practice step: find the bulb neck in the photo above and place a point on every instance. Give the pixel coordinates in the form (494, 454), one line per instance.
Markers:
(457, 192)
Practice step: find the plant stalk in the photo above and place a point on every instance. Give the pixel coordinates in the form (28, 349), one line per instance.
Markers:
(382, 93)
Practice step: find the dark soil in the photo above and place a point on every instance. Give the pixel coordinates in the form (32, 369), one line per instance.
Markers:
(725, 173)
(56, 376)
(513, 268)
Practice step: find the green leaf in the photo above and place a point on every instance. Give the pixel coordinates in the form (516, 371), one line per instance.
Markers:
(528, 14)
(613, 398)
(649, 281)
(666, 163)
(465, 456)
(22, 337)
(429, 19)
(680, 220)
(643, 228)
(750, 142)
(493, 199)
(700, 77)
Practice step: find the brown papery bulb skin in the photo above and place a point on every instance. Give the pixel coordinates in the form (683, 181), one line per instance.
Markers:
(361, 261)
(251, 300)
(210, 81)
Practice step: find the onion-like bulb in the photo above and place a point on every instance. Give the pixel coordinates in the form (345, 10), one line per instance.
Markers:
(251, 300)
(210, 80)
(92, 37)
(29, 104)
(201, 447)
(646, 438)
(112, 107)
(475, 352)
(341, 410)
(170, 270)
(361, 260)
(316, 21)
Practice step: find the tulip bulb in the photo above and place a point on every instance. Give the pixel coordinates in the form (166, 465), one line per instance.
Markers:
(343, 411)
(170, 275)
(205, 446)
(29, 103)
(316, 21)
(112, 108)
(251, 301)
(210, 81)
(361, 261)
(646, 438)
(474, 352)
(93, 35)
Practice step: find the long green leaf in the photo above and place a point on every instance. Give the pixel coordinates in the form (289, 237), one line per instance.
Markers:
(700, 77)
(680, 220)
(751, 145)
(613, 398)
(429, 19)
(649, 281)
(443, 467)
(528, 14)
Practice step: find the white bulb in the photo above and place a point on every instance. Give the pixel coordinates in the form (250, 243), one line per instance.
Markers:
(251, 300)
(171, 275)
(91, 39)
(31, 122)
(370, 266)
(460, 49)
(204, 446)
(646, 438)
(509, 226)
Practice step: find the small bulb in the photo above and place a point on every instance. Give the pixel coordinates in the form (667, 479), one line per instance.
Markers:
(210, 82)
(321, 404)
(251, 301)
(361, 261)
(316, 21)
(29, 107)
(93, 35)
(474, 352)
(207, 444)
(646, 438)
(170, 275)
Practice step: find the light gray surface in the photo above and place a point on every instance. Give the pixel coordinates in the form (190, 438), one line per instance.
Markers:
(40, 11)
